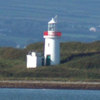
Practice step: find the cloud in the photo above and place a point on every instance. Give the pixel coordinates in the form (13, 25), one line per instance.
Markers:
(92, 29)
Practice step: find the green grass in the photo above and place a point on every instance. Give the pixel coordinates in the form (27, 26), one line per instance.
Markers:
(79, 62)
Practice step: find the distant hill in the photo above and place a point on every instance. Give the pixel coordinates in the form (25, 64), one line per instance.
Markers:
(79, 61)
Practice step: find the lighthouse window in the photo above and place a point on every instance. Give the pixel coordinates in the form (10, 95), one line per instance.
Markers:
(48, 44)
(51, 27)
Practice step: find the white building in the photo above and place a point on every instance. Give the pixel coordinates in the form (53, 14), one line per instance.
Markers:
(34, 60)
(52, 44)
(51, 48)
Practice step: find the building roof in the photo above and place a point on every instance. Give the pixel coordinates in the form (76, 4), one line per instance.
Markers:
(52, 21)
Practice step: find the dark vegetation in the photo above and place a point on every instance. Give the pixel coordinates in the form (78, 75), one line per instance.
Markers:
(79, 61)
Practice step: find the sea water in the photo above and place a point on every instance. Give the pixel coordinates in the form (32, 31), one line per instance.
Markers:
(23, 21)
(48, 94)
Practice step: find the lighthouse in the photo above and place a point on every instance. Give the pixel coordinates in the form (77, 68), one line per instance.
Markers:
(52, 44)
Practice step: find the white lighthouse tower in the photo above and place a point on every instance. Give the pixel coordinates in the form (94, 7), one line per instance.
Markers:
(52, 44)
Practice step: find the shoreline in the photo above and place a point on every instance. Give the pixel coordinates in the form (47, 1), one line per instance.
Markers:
(50, 85)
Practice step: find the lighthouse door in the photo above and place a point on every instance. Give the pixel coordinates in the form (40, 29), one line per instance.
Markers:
(48, 60)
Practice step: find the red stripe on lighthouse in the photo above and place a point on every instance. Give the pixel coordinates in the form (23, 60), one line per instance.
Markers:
(52, 33)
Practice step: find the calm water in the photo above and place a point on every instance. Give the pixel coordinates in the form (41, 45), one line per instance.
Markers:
(23, 21)
(48, 94)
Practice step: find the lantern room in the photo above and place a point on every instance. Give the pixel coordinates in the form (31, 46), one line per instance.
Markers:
(52, 25)
(52, 29)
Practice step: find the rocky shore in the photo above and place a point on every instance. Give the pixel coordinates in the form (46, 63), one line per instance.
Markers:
(50, 85)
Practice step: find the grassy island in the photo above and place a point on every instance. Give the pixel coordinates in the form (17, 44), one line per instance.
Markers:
(79, 62)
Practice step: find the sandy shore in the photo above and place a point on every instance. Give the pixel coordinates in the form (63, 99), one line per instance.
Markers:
(50, 85)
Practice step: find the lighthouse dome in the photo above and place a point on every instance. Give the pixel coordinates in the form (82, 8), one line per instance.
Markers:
(52, 21)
